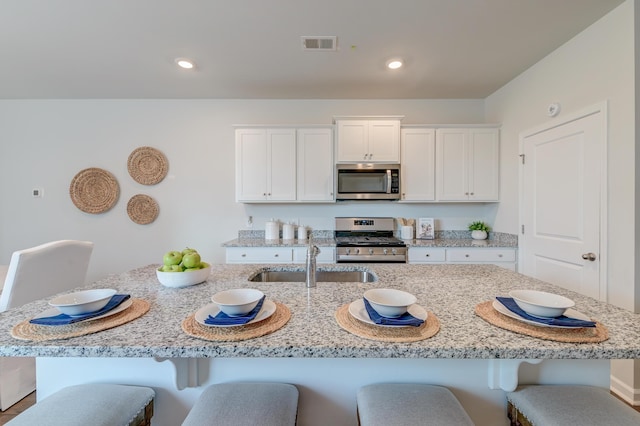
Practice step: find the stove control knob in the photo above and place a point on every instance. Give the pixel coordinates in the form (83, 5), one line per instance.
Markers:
(385, 251)
(370, 251)
(357, 251)
(348, 250)
(394, 251)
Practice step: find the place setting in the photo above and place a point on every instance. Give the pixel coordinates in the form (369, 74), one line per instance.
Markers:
(544, 315)
(237, 314)
(388, 315)
(80, 313)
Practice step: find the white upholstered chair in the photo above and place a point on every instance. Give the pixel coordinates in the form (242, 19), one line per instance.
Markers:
(36, 273)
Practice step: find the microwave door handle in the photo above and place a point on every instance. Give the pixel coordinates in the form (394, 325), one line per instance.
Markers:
(388, 181)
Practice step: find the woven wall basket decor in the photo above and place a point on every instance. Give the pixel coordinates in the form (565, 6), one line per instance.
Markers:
(94, 190)
(142, 209)
(147, 165)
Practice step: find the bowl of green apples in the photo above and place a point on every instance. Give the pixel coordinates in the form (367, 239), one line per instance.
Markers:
(182, 269)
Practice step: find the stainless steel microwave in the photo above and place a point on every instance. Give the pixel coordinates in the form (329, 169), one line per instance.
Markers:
(368, 181)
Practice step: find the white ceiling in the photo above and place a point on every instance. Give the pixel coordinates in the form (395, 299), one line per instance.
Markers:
(252, 49)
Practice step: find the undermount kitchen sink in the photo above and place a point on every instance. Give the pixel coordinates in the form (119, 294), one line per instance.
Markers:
(321, 276)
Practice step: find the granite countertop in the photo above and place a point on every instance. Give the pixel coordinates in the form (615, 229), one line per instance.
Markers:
(449, 291)
(444, 239)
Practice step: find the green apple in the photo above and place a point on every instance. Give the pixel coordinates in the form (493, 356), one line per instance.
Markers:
(191, 260)
(172, 258)
(176, 268)
(189, 250)
(166, 268)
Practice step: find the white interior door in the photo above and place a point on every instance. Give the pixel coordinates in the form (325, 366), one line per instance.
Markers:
(562, 178)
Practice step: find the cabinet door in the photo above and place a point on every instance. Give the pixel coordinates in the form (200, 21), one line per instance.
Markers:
(418, 164)
(426, 255)
(251, 165)
(452, 165)
(281, 165)
(259, 255)
(352, 140)
(484, 165)
(384, 141)
(315, 165)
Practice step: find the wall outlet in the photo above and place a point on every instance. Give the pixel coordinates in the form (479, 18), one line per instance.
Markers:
(249, 222)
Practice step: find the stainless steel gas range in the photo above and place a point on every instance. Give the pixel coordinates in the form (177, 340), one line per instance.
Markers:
(368, 239)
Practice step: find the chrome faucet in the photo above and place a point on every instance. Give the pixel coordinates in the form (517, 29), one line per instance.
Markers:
(312, 253)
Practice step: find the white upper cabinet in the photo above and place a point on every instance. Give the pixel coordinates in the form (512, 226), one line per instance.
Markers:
(315, 165)
(373, 141)
(418, 148)
(467, 164)
(265, 165)
(284, 165)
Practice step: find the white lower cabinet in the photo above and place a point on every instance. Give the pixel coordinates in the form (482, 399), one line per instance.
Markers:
(326, 255)
(277, 255)
(426, 255)
(259, 255)
(504, 257)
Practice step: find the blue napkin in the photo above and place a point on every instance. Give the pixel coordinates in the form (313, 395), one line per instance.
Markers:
(64, 319)
(404, 319)
(563, 321)
(223, 319)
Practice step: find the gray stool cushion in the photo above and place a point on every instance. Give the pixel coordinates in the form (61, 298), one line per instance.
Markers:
(247, 403)
(546, 405)
(397, 404)
(98, 404)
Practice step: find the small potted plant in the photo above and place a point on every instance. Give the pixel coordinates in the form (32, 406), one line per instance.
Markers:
(479, 230)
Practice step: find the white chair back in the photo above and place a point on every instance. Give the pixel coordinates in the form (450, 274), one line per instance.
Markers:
(42, 271)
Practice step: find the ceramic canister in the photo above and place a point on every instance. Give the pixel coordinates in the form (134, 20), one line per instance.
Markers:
(272, 230)
(302, 232)
(288, 231)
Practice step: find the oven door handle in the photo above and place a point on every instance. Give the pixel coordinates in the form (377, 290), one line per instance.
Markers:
(388, 181)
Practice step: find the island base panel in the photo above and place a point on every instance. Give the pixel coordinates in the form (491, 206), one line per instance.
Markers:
(327, 386)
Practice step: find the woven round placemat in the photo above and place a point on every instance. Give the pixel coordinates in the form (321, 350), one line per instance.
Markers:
(147, 165)
(596, 334)
(40, 333)
(244, 332)
(142, 209)
(94, 190)
(387, 334)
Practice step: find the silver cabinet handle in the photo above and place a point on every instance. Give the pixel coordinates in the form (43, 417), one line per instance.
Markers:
(589, 256)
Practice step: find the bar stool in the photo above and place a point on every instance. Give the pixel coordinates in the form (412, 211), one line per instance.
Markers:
(246, 403)
(404, 404)
(551, 405)
(96, 404)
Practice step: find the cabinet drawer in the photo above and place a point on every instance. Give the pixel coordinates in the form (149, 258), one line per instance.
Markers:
(426, 254)
(259, 255)
(481, 255)
(326, 255)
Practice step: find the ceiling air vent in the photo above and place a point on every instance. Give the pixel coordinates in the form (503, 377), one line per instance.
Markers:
(319, 43)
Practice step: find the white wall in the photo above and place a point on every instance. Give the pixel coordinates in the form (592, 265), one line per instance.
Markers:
(46, 142)
(595, 66)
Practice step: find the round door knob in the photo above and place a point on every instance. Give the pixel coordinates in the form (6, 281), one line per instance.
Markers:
(589, 256)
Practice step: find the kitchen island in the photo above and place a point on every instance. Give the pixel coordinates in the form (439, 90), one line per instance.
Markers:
(477, 360)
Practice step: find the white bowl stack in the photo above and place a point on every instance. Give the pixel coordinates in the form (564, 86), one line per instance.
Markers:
(388, 302)
(238, 301)
(541, 303)
(83, 302)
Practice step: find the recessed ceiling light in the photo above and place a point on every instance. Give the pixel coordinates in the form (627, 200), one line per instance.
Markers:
(394, 64)
(185, 63)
